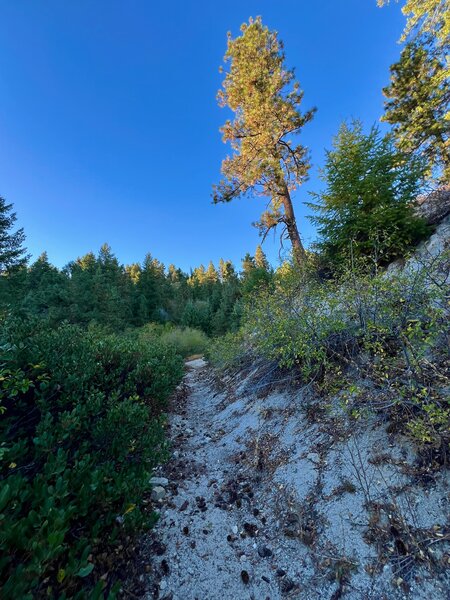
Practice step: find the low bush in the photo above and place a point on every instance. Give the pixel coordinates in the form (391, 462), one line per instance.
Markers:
(229, 351)
(81, 430)
(186, 340)
(380, 342)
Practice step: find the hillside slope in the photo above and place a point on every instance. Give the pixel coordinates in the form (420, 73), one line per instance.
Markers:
(277, 491)
(270, 497)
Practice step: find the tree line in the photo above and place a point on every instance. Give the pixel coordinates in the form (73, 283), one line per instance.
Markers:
(98, 289)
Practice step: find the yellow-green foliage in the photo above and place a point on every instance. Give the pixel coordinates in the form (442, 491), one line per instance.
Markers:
(389, 330)
(426, 16)
(186, 340)
(229, 351)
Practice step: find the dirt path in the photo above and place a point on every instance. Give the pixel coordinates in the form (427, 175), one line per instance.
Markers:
(213, 538)
(262, 504)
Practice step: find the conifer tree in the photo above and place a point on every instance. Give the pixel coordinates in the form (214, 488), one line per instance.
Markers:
(12, 252)
(261, 261)
(262, 92)
(47, 293)
(211, 273)
(248, 264)
(366, 208)
(417, 105)
(133, 271)
(149, 289)
(426, 17)
(227, 271)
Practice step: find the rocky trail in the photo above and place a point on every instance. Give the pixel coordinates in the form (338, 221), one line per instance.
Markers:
(263, 500)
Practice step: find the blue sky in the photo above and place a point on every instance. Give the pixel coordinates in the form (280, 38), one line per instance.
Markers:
(109, 122)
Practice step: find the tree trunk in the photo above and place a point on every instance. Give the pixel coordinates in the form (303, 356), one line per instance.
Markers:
(291, 224)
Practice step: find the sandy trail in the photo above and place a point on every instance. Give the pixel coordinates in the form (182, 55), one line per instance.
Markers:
(256, 506)
(212, 543)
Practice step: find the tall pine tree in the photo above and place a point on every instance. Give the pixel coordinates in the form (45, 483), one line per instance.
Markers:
(266, 99)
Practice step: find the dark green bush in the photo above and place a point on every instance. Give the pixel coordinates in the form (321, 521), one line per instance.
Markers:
(81, 429)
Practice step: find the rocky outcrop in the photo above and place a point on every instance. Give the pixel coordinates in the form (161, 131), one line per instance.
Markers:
(434, 207)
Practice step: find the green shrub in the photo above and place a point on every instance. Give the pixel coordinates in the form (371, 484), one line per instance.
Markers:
(390, 330)
(81, 430)
(187, 340)
(228, 351)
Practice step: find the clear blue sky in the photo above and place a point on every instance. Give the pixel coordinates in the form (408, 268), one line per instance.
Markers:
(109, 123)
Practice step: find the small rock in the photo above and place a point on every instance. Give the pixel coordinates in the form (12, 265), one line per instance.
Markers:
(158, 548)
(313, 457)
(159, 481)
(165, 567)
(234, 529)
(158, 493)
(281, 572)
(162, 585)
(264, 552)
(184, 505)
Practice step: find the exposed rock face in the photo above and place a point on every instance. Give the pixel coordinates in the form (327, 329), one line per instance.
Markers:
(435, 206)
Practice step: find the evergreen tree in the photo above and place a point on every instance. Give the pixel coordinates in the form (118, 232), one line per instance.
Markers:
(227, 271)
(175, 275)
(367, 206)
(248, 265)
(82, 274)
(12, 253)
(197, 314)
(266, 100)
(254, 273)
(417, 104)
(261, 261)
(113, 301)
(211, 273)
(47, 291)
(149, 289)
(133, 271)
(426, 17)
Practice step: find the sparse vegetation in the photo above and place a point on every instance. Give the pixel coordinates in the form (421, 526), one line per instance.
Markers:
(379, 342)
